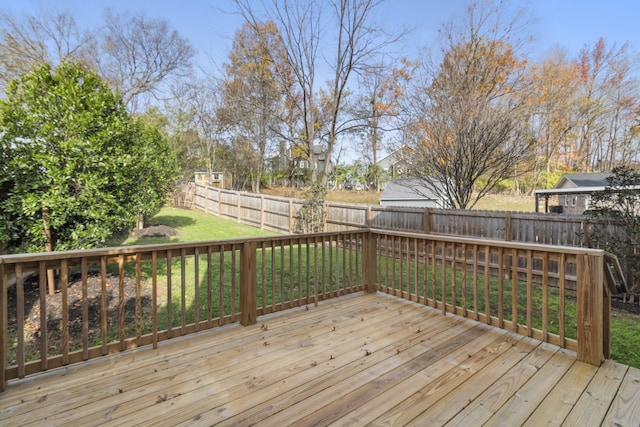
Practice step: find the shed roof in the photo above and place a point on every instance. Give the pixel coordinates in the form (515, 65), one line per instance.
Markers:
(408, 189)
(577, 180)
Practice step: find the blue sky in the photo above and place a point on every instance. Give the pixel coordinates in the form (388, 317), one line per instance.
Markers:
(567, 23)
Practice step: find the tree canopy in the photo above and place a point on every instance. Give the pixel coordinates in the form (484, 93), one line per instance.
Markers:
(76, 167)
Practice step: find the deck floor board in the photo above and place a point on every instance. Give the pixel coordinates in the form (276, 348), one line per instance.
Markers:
(354, 360)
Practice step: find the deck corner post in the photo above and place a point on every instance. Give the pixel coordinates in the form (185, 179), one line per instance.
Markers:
(369, 263)
(3, 328)
(248, 297)
(590, 308)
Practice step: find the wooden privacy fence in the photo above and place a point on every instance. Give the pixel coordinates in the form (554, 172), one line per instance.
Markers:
(279, 214)
(111, 300)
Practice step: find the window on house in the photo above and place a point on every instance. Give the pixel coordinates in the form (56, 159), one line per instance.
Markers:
(587, 202)
(574, 199)
(566, 200)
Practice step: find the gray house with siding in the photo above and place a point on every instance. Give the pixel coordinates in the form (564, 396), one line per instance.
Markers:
(572, 194)
(411, 193)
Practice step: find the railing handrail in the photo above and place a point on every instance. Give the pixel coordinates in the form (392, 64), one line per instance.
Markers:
(496, 243)
(11, 259)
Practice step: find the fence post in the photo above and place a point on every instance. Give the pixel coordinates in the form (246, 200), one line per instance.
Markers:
(369, 261)
(261, 212)
(590, 308)
(507, 227)
(248, 297)
(427, 221)
(219, 202)
(290, 216)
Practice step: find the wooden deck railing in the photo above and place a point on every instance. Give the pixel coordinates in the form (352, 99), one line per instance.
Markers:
(110, 300)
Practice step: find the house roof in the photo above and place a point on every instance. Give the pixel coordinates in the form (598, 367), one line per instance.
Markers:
(578, 180)
(408, 189)
(580, 183)
(396, 156)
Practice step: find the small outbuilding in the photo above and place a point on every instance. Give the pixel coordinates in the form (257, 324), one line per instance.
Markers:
(412, 193)
(572, 193)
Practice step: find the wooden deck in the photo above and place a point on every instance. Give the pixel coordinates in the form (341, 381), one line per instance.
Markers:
(355, 360)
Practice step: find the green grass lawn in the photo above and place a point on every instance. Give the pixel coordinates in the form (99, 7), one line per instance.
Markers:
(192, 226)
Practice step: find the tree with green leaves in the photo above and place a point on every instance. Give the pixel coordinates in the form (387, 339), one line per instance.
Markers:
(613, 222)
(76, 167)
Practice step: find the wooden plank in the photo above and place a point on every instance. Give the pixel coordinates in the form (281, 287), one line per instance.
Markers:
(317, 391)
(478, 410)
(594, 403)
(625, 409)
(558, 402)
(523, 402)
(444, 395)
(226, 389)
(445, 373)
(179, 355)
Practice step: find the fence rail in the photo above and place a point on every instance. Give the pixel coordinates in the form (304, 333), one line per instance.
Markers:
(110, 300)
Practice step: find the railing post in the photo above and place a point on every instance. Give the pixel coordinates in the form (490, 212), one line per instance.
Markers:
(3, 328)
(590, 308)
(369, 262)
(248, 297)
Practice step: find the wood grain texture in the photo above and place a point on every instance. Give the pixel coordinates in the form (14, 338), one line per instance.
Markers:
(364, 358)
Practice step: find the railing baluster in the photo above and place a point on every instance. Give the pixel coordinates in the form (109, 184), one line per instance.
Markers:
(4, 328)
(209, 289)
(501, 287)
(476, 310)
(529, 293)
(273, 276)
(454, 300)
(234, 273)
(221, 287)
(196, 290)
(169, 296)
(562, 296)
(545, 296)
(514, 289)
(138, 299)
(154, 298)
(487, 306)
(121, 323)
(104, 309)
(64, 284)
(44, 336)
(85, 309)
(263, 248)
(20, 320)
(463, 266)
(183, 288)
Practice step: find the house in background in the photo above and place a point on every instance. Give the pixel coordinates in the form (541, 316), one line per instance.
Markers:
(394, 165)
(572, 194)
(213, 179)
(411, 193)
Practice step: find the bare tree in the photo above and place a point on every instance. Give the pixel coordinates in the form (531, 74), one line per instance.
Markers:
(349, 43)
(141, 53)
(50, 37)
(469, 124)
